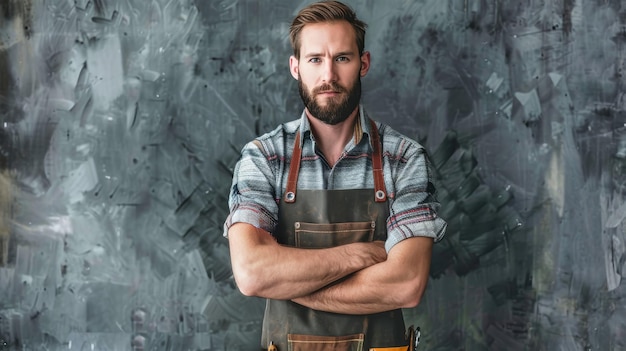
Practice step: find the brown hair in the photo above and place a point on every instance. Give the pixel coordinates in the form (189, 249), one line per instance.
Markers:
(326, 11)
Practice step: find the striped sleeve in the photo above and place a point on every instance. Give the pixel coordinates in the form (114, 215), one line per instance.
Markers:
(413, 207)
(251, 199)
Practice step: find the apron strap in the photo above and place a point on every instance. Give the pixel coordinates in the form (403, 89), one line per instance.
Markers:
(380, 192)
(294, 170)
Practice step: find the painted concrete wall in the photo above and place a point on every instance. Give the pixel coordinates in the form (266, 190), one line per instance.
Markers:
(120, 122)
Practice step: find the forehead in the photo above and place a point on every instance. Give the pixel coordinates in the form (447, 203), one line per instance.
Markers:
(328, 36)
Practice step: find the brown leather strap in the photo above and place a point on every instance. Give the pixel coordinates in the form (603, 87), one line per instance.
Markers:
(294, 170)
(380, 192)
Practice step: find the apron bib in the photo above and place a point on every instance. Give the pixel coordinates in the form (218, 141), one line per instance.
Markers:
(314, 219)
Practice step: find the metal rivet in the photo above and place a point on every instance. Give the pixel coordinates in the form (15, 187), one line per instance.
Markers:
(380, 194)
(290, 196)
(138, 342)
(297, 225)
(138, 315)
(373, 224)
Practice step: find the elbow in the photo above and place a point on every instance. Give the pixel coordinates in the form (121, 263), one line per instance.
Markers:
(246, 289)
(246, 281)
(412, 294)
(412, 302)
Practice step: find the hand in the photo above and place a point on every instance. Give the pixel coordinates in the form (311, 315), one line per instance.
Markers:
(371, 252)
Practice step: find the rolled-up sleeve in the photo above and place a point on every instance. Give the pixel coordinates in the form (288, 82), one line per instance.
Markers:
(413, 208)
(251, 199)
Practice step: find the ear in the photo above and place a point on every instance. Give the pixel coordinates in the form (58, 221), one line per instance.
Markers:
(294, 67)
(365, 63)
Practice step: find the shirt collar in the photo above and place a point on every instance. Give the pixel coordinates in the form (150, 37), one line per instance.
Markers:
(362, 127)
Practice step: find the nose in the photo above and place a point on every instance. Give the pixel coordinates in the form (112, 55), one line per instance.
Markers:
(329, 73)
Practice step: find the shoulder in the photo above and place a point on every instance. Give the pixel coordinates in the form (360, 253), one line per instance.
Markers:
(273, 142)
(281, 131)
(396, 144)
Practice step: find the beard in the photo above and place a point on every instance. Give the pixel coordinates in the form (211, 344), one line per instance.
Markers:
(337, 108)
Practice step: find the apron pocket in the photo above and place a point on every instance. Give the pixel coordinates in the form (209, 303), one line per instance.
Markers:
(298, 342)
(323, 235)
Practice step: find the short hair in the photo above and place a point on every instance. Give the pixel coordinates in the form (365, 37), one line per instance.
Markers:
(326, 11)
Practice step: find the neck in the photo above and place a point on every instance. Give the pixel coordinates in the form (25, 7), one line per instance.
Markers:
(332, 139)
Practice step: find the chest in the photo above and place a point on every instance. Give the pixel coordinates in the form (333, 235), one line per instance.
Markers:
(352, 171)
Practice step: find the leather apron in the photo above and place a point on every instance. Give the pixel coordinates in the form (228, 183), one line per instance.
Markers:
(325, 218)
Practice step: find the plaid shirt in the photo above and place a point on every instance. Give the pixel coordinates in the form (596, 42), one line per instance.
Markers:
(260, 178)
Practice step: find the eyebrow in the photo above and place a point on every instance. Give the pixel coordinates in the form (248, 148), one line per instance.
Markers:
(343, 53)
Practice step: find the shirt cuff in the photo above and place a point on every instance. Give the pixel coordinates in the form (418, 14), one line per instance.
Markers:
(435, 228)
(250, 214)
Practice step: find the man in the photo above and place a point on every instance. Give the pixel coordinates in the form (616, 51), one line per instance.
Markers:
(332, 216)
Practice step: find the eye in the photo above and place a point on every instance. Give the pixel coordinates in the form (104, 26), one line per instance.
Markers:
(342, 59)
(315, 60)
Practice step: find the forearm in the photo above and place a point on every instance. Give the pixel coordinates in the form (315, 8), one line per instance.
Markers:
(361, 293)
(398, 282)
(264, 268)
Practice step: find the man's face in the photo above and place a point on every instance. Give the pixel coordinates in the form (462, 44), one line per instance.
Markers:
(329, 70)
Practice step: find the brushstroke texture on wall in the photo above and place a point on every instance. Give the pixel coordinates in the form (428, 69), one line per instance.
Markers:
(121, 121)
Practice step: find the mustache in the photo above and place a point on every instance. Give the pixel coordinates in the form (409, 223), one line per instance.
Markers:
(327, 87)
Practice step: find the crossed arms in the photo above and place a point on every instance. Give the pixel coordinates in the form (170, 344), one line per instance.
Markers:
(358, 278)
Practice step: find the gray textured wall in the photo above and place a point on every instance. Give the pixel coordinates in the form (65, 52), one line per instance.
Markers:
(120, 122)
